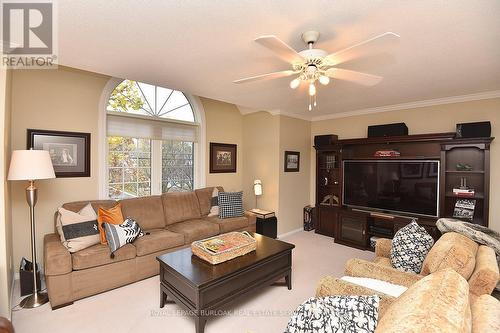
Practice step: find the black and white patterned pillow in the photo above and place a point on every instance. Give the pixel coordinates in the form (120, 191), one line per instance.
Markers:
(230, 204)
(332, 314)
(119, 235)
(410, 246)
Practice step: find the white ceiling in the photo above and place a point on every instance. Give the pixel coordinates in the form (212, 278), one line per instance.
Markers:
(448, 48)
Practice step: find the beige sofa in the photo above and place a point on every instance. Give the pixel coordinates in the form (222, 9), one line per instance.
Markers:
(172, 221)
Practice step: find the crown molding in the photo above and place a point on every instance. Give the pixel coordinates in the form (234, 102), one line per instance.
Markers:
(413, 105)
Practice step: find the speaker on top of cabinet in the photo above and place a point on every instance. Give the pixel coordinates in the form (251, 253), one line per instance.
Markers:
(480, 129)
(396, 129)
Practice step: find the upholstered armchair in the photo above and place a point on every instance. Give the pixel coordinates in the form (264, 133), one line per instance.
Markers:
(475, 263)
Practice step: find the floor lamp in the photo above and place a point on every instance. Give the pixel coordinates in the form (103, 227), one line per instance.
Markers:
(32, 165)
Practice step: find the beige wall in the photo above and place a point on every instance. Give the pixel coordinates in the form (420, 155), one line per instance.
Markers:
(65, 100)
(68, 100)
(224, 124)
(434, 119)
(261, 159)
(295, 135)
(6, 263)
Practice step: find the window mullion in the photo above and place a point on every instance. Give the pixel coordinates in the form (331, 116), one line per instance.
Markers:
(156, 167)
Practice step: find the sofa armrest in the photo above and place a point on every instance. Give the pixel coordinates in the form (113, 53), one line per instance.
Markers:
(362, 268)
(330, 286)
(252, 219)
(485, 276)
(383, 247)
(56, 258)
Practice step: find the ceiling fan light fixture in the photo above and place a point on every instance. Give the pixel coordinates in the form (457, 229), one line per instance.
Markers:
(312, 89)
(295, 83)
(324, 80)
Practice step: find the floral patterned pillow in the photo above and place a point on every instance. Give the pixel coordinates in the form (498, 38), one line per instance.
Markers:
(332, 314)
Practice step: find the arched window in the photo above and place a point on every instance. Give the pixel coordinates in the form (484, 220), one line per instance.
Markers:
(151, 134)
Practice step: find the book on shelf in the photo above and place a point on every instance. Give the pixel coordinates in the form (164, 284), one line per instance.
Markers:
(464, 209)
(263, 214)
(463, 192)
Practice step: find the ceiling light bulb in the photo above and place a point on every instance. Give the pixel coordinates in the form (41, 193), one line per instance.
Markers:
(324, 80)
(312, 89)
(294, 83)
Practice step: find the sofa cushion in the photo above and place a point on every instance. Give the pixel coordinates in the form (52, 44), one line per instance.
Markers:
(485, 276)
(157, 240)
(204, 196)
(410, 245)
(195, 229)
(437, 303)
(76, 206)
(230, 224)
(98, 255)
(485, 314)
(453, 251)
(147, 211)
(180, 206)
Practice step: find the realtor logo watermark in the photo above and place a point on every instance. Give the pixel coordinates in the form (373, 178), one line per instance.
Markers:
(29, 36)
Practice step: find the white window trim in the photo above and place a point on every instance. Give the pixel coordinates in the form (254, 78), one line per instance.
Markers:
(102, 147)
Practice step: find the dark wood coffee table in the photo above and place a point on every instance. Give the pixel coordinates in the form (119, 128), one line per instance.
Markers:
(202, 288)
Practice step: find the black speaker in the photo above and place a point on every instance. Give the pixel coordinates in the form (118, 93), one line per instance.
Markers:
(480, 129)
(396, 129)
(325, 140)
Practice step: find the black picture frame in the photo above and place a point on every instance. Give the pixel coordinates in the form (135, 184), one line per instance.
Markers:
(292, 161)
(223, 157)
(70, 151)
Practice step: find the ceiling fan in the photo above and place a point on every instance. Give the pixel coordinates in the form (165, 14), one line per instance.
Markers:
(311, 64)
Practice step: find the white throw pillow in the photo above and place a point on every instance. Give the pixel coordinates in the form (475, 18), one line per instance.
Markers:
(394, 290)
(77, 230)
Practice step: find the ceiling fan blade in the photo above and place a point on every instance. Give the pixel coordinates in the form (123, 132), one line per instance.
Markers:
(268, 76)
(353, 76)
(376, 44)
(280, 48)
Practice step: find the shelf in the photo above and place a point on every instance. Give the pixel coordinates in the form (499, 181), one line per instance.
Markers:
(371, 157)
(465, 172)
(381, 235)
(477, 195)
(475, 220)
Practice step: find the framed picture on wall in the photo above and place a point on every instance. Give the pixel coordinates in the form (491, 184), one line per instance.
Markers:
(222, 157)
(292, 161)
(69, 151)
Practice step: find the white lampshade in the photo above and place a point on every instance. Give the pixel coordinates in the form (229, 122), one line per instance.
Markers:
(30, 165)
(257, 187)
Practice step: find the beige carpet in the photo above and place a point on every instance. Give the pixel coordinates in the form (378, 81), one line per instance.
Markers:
(135, 308)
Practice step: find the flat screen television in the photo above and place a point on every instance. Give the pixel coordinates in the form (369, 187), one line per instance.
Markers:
(395, 186)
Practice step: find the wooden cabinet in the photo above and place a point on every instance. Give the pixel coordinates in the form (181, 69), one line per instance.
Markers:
(352, 229)
(328, 189)
(327, 221)
(460, 159)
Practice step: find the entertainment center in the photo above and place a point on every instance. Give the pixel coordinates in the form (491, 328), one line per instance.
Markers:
(372, 187)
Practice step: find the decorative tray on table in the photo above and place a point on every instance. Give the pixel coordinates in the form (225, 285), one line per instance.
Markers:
(224, 247)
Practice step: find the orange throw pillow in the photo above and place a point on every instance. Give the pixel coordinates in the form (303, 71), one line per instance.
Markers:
(113, 215)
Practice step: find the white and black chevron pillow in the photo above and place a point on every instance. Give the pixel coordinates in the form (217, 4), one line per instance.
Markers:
(350, 314)
(410, 246)
(230, 204)
(119, 235)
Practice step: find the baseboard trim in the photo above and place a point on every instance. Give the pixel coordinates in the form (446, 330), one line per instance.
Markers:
(287, 234)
